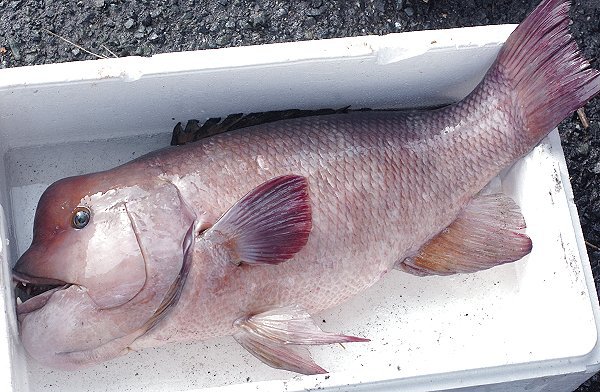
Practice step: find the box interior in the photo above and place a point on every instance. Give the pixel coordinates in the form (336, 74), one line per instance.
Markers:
(69, 119)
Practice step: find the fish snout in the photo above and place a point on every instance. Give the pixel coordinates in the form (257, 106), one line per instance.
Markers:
(33, 267)
(25, 268)
(33, 284)
(48, 261)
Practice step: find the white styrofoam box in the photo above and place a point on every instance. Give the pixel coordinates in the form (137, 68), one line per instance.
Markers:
(530, 325)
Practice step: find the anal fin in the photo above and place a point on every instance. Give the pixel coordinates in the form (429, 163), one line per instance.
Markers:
(276, 336)
(485, 234)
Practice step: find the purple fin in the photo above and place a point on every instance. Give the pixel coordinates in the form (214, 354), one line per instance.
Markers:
(267, 226)
(485, 234)
(274, 336)
(541, 63)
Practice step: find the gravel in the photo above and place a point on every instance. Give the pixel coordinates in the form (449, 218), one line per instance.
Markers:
(149, 27)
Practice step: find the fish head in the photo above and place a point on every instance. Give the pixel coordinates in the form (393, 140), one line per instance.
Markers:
(106, 251)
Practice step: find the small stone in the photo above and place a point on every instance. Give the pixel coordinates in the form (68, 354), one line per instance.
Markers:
(379, 5)
(155, 13)
(129, 23)
(224, 40)
(258, 19)
(30, 58)
(153, 37)
(584, 148)
(596, 168)
(75, 51)
(88, 18)
(409, 11)
(204, 29)
(36, 36)
(314, 11)
(316, 3)
(399, 3)
(14, 48)
(230, 24)
(98, 3)
(280, 12)
(310, 21)
(147, 20)
(138, 34)
(244, 24)
(222, 3)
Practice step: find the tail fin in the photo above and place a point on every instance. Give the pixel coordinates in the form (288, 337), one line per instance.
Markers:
(543, 66)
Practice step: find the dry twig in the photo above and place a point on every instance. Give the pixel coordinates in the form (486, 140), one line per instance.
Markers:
(592, 245)
(109, 51)
(583, 118)
(75, 45)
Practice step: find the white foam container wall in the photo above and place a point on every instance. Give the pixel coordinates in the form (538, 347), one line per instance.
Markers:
(530, 325)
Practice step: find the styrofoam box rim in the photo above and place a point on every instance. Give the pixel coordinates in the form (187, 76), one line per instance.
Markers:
(382, 50)
(385, 48)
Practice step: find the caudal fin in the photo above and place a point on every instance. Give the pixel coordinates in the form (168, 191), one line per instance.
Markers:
(542, 65)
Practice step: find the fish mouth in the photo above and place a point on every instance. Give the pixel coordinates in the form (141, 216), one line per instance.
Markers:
(32, 293)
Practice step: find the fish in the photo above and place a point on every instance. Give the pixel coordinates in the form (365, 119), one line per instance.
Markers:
(249, 233)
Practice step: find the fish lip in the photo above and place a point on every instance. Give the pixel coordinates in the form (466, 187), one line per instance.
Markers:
(21, 277)
(37, 301)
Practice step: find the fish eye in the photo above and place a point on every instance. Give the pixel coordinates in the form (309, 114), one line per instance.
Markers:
(81, 217)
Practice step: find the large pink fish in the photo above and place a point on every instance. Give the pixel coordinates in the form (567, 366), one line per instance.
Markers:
(250, 232)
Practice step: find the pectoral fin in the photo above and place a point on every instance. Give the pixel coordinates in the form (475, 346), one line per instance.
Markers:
(267, 226)
(485, 234)
(274, 337)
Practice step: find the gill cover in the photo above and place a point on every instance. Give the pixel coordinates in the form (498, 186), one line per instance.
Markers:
(144, 227)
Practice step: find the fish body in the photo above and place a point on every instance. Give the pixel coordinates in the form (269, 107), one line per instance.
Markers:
(372, 196)
(249, 232)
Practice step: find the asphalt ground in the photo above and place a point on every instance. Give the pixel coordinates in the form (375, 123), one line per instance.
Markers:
(123, 28)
